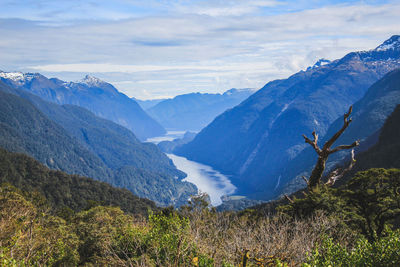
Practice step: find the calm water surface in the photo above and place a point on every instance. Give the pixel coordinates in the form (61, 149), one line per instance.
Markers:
(207, 180)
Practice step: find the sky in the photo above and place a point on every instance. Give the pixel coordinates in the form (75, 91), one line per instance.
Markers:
(161, 48)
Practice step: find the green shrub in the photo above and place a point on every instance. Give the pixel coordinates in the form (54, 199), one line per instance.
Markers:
(383, 252)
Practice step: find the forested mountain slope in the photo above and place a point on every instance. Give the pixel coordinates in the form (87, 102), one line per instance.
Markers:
(192, 112)
(25, 129)
(140, 167)
(100, 97)
(369, 115)
(385, 153)
(256, 140)
(65, 190)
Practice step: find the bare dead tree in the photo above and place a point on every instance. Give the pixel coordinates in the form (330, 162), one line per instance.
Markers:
(340, 172)
(325, 151)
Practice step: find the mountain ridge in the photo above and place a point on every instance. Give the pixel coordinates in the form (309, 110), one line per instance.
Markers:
(115, 150)
(261, 135)
(369, 115)
(193, 111)
(98, 96)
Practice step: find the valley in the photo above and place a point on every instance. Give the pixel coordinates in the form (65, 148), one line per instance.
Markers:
(206, 179)
(200, 133)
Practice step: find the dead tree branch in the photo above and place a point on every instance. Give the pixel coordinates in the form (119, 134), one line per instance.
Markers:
(346, 123)
(305, 179)
(323, 154)
(288, 198)
(339, 172)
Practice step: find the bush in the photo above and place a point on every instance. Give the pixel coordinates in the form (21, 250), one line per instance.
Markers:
(383, 252)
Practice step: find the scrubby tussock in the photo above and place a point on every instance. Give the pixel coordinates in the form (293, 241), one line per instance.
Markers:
(190, 237)
(229, 239)
(195, 235)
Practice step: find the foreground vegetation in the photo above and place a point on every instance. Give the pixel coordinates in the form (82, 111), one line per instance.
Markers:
(48, 218)
(328, 227)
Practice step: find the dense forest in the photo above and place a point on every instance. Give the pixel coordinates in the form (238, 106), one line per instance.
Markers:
(199, 133)
(74, 140)
(328, 228)
(64, 191)
(353, 224)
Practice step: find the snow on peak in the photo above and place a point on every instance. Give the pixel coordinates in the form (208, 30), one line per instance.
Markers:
(238, 90)
(15, 76)
(393, 43)
(91, 81)
(319, 63)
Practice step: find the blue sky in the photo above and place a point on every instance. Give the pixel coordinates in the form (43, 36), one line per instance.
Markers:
(154, 49)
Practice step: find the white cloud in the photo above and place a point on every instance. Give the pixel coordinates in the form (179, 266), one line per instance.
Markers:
(215, 8)
(193, 45)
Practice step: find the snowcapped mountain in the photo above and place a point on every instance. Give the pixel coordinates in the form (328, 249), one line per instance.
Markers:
(319, 63)
(392, 43)
(98, 96)
(255, 140)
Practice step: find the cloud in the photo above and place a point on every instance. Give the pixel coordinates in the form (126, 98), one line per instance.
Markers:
(188, 45)
(224, 8)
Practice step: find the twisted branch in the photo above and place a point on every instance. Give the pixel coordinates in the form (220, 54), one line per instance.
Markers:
(323, 154)
(346, 123)
(339, 173)
(313, 143)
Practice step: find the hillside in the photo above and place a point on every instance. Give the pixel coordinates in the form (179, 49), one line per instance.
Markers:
(256, 139)
(369, 115)
(114, 144)
(100, 97)
(385, 153)
(25, 129)
(192, 112)
(64, 190)
(128, 162)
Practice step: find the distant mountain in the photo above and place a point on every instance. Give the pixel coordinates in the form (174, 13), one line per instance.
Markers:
(319, 63)
(100, 97)
(369, 115)
(192, 112)
(256, 140)
(170, 146)
(108, 147)
(64, 190)
(146, 104)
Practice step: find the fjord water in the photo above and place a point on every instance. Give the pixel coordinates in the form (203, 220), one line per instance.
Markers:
(169, 136)
(207, 180)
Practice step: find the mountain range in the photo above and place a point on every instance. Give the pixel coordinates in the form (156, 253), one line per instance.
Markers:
(146, 104)
(25, 129)
(192, 112)
(256, 140)
(74, 140)
(368, 117)
(100, 97)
